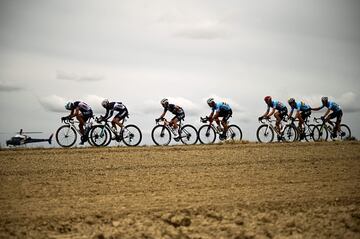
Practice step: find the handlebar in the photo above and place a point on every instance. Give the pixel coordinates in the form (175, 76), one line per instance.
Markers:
(67, 120)
(160, 119)
(266, 119)
(204, 119)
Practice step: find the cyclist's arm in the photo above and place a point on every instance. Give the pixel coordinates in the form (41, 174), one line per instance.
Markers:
(317, 108)
(327, 113)
(211, 116)
(108, 115)
(272, 112)
(216, 115)
(74, 112)
(163, 114)
(266, 113)
(291, 112)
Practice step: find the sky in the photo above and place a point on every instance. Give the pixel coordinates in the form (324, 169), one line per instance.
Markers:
(139, 52)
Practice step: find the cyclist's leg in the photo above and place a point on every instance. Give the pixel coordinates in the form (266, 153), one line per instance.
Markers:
(329, 117)
(119, 118)
(225, 120)
(300, 125)
(216, 118)
(278, 118)
(174, 122)
(338, 116)
(82, 121)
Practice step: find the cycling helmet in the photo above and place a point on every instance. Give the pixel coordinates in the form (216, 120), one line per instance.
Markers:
(267, 99)
(69, 105)
(164, 101)
(324, 99)
(210, 100)
(105, 102)
(291, 100)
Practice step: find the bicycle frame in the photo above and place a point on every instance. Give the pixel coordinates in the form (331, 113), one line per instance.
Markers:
(206, 119)
(72, 123)
(171, 129)
(269, 124)
(325, 124)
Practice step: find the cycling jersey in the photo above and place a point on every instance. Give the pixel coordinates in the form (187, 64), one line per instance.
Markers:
(115, 106)
(301, 106)
(277, 105)
(173, 109)
(333, 106)
(221, 107)
(83, 107)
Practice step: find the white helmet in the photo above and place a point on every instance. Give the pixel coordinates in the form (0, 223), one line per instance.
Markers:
(210, 100)
(69, 105)
(164, 101)
(105, 102)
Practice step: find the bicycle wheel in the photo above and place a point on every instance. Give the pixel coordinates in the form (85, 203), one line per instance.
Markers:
(161, 135)
(234, 133)
(66, 136)
(265, 134)
(312, 133)
(206, 134)
(188, 134)
(99, 135)
(131, 135)
(323, 133)
(290, 133)
(344, 132)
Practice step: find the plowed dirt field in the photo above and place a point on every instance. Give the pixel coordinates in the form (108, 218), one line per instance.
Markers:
(301, 190)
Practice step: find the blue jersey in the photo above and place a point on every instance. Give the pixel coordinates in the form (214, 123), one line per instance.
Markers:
(301, 106)
(221, 107)
(276, 105)
(333, 106)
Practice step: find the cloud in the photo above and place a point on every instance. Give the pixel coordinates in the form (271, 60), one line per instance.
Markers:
(95, 103)
(62, 75)
(55, 103)
(8, 87)
(349, 102)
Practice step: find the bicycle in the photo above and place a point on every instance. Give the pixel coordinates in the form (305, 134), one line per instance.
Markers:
(207, 133)
(66, 135)
(310, 133)
(162, 133)
(326, 128)
(265, 132)
(102, 134)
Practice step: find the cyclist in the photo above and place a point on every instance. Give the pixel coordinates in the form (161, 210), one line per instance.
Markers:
(220, 109)
(82, 112)
(336, 113)
(303, 111)
(176, 110)
(119, 117)
(279, 111)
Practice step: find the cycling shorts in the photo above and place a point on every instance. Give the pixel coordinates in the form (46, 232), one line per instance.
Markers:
(305, 114)
(338, 115)
(226, 114)
(122, 114)
(283, 112)
(179, 116)
(87, 114)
